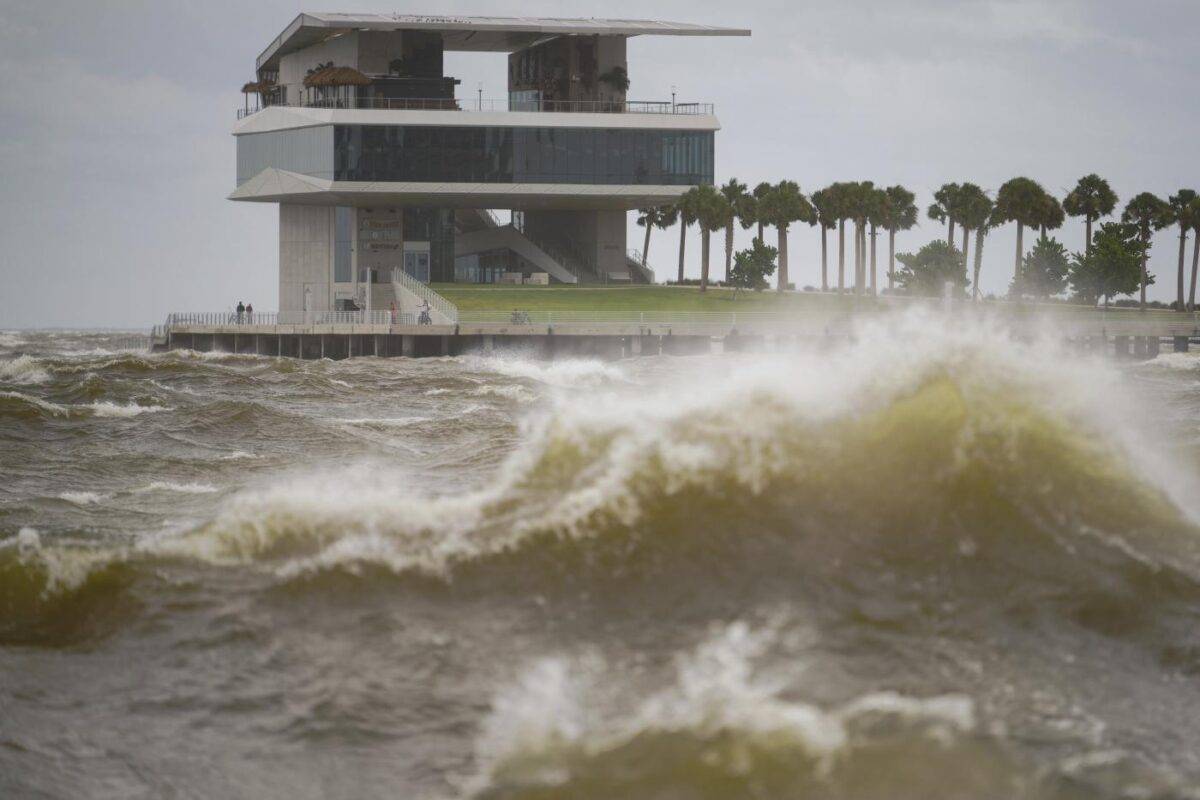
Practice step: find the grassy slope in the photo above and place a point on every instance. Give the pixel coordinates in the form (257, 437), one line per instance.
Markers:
(491, 297)
(624, 298)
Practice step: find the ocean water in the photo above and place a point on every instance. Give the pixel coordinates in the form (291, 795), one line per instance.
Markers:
(933, 563)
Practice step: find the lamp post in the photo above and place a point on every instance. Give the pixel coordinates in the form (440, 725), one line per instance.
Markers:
(479, 89)
(673, 87)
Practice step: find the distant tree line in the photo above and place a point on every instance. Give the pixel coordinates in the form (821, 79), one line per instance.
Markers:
(1113, 263)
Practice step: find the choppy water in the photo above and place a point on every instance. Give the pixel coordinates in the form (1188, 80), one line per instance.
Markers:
(934, 564)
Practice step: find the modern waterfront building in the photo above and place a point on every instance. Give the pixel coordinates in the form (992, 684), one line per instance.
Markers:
(385, 180)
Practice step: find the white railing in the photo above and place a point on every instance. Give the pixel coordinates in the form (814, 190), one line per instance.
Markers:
(221, 318)
(228, 318)
(436, 302)
(494, 105)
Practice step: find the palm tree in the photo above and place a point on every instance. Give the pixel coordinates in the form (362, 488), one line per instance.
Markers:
(840, 200)
(825, 213)
(1050, 214)
(1181, 212)
(878, 215)
(1194, 212)
(1020, 200)
(1092, 198)
(945, 207)
(713, 213)
(686, 208)
(1149, 212)
(974, 213)
(739, 199)
(780, 207)
(857, 208)
(650, 218)
(901, 216)
(761, 191)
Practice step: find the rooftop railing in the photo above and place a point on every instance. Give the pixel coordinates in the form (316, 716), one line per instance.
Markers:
(497, 105)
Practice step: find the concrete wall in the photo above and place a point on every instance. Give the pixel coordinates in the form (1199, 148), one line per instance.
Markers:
(598, 235)
(342, 51)
(306, 236)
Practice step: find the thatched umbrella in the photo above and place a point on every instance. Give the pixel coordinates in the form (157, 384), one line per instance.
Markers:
(336, 76)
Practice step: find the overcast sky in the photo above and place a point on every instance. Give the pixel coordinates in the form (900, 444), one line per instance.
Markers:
(116, 154)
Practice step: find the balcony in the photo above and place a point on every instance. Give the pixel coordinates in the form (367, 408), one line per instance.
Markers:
(491, 105)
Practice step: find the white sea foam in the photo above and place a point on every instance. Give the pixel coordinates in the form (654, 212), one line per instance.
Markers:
(23, 370)
(172, 486)
(571, 703)
(514, 392)
(1177, 361)
(568, 373)
(83, 498)
(105, 408)
(45, 405)
(385, 422)
(11, 341)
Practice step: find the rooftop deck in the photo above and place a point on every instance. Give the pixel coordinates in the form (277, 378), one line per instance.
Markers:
(497, 105)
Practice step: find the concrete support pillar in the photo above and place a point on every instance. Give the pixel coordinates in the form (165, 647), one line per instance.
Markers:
(1121, 346)
(445, 346)
(408, 346)
(1153, 343)
(489, 343)
(1140, 346)
(1180, 344)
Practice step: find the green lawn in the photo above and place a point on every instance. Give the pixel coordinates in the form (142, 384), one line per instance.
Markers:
(499, 297)
(486, 297)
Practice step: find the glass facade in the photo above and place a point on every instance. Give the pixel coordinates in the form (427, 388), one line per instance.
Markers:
(471, 154)
(308, 151)
(522, 155)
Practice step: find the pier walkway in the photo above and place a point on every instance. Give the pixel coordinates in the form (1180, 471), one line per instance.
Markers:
(623, 333)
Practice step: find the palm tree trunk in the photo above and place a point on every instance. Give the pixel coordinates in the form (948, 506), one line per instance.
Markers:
(862, 257)
(1145, 257)
(1020, 251)
(646, 244)
(874, 233)
(760, 231)
(857, 253)
(682, 245)
(891, 258)
(1195, 263)
(728, 248)
(783, 265)
(704, 237)
(967, 245)
(824, 261)
(841, 256)
(950, 231)
(1087, 231)
(978, 262)
(1182, 257)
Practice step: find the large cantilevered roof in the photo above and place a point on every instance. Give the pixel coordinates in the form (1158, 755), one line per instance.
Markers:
(495, 34)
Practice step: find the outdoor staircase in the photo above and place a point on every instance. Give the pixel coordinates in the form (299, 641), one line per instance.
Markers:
(412, 295)
(560, 265)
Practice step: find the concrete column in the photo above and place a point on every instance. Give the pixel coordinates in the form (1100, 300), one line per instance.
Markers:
(445, 345)
(1180, 344)
(1121, 346)
(1153, 343)
(1140, 346)
(408, 346)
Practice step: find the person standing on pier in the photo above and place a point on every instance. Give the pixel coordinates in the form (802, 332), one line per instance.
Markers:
(249, 313)
(241, 311)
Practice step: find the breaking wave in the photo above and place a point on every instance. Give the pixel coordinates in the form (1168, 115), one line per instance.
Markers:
(23, 370)
(721, 728)
(960, 454)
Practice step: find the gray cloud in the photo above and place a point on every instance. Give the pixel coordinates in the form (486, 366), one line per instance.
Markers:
(116, 153)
